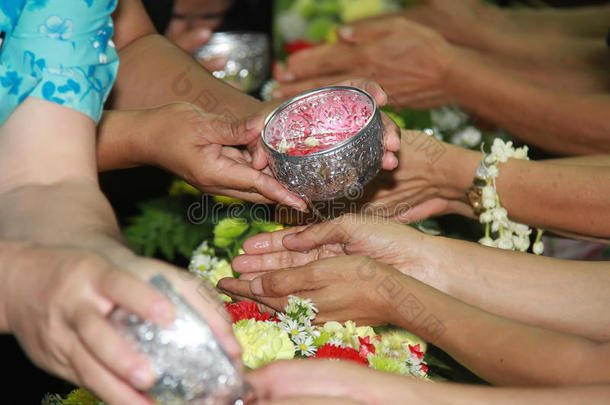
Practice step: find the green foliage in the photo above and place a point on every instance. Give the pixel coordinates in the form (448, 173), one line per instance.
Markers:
(163, 229)
(408, 118)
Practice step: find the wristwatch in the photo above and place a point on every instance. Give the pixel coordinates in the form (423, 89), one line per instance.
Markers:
(475, 192)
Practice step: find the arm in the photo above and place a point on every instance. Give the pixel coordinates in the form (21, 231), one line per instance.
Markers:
(500, 350)
(286, 380)
(559, 194)
(154, 71)
(555, 294)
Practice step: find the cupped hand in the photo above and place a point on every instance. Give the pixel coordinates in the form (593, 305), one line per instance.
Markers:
(56, 303)
(344, 382)
(202, 149)
(379, 238)
(343, 288)
(410, 61)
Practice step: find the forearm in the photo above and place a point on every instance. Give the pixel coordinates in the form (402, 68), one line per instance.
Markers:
(552, 120)
(590, 21)
(500, 350)
(561, 194)
(474, 395)
(120, 143)
(565, 296)
(154, 71)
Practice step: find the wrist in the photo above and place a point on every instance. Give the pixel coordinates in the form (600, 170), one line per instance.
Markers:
(9, 254)
(454, 184)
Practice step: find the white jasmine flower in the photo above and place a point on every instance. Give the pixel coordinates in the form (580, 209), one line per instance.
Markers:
(521, 229)
(447, 118)
(487, 241)
(486, 217)
(495, 226)
(500, 215)
(501, 151)
(505, 243)
(538, 248)
(521, 243)
(493, 172)
(521, 153)
(468, 137)
(488, 197)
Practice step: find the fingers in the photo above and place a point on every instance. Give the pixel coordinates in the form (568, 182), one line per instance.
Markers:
(223, 130)
(321, 60)
(137, 297)
(368, 30)
(240, 290)
(193, 39)
(110, 349)
(242, 177)
(272, 261)
(289, 89)
(103, 383)
(329, 232)
(368, 85)
(391, 136)
(269, 242)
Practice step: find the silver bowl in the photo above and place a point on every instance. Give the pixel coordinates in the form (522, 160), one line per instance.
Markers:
(248, 58)
(191, 366)
(341, 169)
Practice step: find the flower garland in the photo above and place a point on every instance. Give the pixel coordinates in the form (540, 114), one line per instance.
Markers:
(510, 235)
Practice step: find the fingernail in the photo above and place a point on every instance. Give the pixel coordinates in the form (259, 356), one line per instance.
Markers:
(346, 32)
(256, 286)
(204, 34)
(296, 203)
(143, 377)
(287, 76)
(253, 123)
(288, 239)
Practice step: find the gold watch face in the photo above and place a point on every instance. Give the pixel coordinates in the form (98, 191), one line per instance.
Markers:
(475, 197)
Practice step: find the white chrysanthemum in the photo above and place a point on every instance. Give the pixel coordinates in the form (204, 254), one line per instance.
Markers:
(304, 346)
(294, 329)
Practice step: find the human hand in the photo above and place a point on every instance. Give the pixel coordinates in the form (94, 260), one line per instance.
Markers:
(338, 382)
(56, 303)
(431, 179)
(410, 61)
(379, 238)
(342, 287)
(198, 146)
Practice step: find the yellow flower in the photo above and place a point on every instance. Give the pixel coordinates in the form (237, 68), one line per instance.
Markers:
(221, 270)
(352, 10)
(395, 339)
(224, 200)
(262, 342)
(181, 187)
(348, 333)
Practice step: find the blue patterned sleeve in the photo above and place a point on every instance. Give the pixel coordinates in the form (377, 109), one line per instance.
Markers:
(57, 50)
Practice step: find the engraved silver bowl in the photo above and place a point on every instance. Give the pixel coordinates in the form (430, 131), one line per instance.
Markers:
(191, 366)
(339, 171)
(248, 58)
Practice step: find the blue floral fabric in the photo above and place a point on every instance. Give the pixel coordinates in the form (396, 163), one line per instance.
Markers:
(57, 50)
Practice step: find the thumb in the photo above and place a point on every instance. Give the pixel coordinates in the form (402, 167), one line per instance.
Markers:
(193, 39)
(234, 131)
(316, 235)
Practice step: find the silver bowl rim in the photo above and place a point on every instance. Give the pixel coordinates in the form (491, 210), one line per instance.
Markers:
(230, 35)
(301, 96)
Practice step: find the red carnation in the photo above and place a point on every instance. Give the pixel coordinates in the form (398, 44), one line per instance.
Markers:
(366, 347)
(298, 45)
(416, 351)
(247, 310)
(329, 351)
